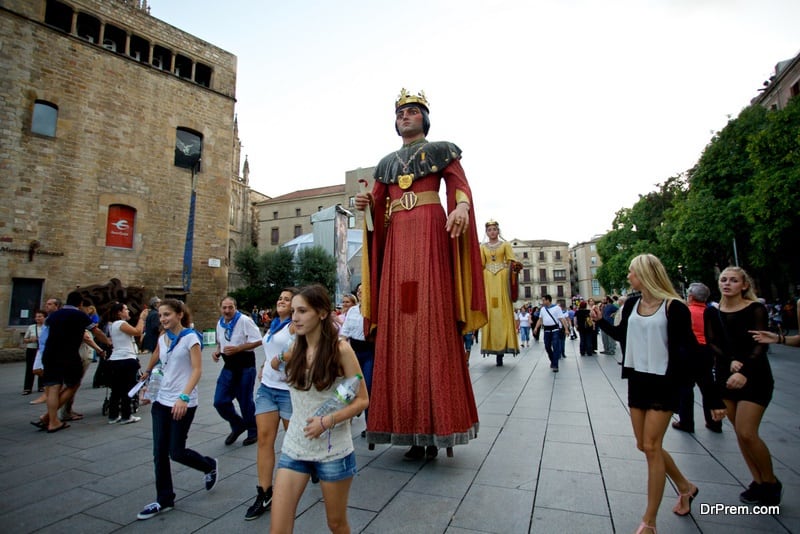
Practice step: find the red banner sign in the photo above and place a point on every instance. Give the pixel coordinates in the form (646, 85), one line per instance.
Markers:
(119, 231)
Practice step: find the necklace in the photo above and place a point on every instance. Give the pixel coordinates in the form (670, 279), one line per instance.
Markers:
(408, 162)
(493, 249)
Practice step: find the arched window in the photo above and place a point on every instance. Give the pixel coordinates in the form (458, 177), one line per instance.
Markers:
(45, 118)
(120, 226)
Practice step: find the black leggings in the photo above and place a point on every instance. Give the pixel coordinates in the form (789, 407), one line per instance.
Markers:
(30, 357)
(122, 375)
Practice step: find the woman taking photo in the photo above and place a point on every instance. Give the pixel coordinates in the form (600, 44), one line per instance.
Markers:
(314, 445)
(744, 377)
(656, 337)
(123, 363)
(173, 411)
(273, 404)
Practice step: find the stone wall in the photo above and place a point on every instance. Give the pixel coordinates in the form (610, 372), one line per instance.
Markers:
(114, 144)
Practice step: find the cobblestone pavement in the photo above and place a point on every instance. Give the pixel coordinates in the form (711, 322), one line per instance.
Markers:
(555, 453)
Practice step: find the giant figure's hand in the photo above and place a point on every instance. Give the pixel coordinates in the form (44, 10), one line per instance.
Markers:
(363, 200)
(458, 220)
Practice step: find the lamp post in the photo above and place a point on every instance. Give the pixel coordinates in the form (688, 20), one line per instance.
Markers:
(186, 275)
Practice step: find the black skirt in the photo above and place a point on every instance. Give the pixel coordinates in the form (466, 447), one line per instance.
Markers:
(648, 391)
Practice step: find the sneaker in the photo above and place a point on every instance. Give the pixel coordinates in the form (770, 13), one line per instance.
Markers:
(114, 421)
(152, 509)
(212, 476)
(131, 419)
(262, 503)
(752, 495)
(771, 493)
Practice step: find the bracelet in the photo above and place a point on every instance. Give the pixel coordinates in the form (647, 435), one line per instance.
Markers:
(333, 421)
(280, 358)
(322, 423)
(781, 339)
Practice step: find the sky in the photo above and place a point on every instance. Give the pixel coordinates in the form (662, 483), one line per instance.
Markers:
(565, 110)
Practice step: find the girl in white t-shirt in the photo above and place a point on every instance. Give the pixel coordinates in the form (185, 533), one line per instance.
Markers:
(178, 349)
(314, 445)
(273, 403)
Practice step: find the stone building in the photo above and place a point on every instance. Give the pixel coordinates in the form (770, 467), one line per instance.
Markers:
(108, 118)
(783, 85)
(585, 260)
(242, 216)
(285, 217)
(545, 270)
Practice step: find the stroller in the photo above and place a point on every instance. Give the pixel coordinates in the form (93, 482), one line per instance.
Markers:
(102, 378)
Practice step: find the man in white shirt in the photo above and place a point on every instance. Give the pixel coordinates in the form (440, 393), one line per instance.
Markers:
(237, 337)
(552, 319)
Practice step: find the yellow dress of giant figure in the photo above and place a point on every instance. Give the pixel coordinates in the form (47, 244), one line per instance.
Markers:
(499, 335)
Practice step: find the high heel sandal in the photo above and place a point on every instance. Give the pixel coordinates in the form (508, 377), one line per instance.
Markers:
(644, 526)
(691, 495)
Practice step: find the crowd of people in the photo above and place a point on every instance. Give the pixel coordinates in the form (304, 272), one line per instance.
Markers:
(401, 338)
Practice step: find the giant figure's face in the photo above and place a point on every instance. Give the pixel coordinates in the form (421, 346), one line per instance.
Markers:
(408, 120)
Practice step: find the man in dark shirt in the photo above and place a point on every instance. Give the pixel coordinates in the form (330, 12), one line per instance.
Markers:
(61, 359)
(152, 326)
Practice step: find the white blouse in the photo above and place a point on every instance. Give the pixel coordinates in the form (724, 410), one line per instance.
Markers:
(646, 347)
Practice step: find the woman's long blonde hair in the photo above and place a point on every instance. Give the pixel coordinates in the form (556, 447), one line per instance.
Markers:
(653, 276)
(749, 293)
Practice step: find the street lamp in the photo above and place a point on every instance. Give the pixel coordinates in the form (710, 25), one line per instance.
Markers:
(186, 275)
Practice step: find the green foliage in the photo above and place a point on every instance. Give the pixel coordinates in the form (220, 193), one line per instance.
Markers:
(265, 274)
(316, 266)
(744, 189)
(771, 207)
(639, 230)
(248, 263)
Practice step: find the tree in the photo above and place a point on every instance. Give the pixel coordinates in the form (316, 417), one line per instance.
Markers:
(743, 193)
(280, 272)
(265, 274)
(770, 207)
(248, 263)
(316, 266)
(640, 230)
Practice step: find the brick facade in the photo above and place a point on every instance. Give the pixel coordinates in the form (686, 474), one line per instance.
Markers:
(114, 144)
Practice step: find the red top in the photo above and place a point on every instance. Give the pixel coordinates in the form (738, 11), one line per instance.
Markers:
(698, 326)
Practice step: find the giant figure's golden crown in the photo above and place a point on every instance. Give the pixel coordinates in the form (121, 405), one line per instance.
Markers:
(407, 98)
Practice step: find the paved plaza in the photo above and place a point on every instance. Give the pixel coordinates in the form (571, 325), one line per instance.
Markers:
(555, 453)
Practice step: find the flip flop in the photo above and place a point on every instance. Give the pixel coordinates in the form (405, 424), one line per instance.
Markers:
(75, 417)
(56, 429)
(41, 425)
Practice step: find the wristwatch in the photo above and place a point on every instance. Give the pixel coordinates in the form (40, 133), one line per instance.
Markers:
(184, 397)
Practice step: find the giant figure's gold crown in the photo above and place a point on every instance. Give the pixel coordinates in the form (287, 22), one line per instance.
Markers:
(407, 98)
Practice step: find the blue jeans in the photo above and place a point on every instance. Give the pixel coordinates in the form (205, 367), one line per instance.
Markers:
(552, 344)
(169, 441)
(524, 332)
(366, 359)
(237, 385)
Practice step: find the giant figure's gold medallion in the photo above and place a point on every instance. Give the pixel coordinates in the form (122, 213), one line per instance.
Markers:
(405, 180)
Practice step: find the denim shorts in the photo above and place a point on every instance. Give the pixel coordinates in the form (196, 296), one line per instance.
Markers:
(331, 471)
(273, 400)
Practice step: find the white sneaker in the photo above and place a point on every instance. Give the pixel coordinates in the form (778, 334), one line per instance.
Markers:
(114, 421)
(131, 419)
